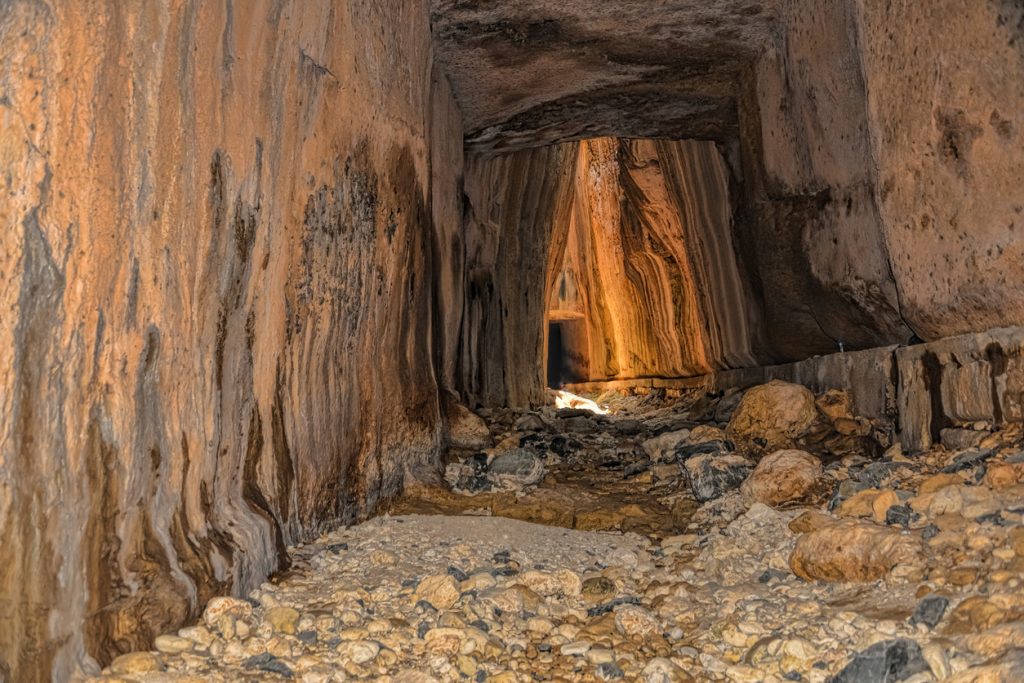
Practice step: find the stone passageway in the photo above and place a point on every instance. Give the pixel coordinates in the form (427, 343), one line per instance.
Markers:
(767, 535)
(519, 340)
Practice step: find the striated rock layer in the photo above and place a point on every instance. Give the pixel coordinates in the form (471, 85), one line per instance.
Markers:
(650, 267)
(216, 282)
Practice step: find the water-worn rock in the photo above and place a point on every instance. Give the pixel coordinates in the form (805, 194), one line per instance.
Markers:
(852, 551)
(771, 417)
(782, 477)
(465, 428)
(137, 663)
(441, 591)
(710, 476)
(516, 469)
(889, 661)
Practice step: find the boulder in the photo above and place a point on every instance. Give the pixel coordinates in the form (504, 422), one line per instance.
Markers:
(515, 468)
(782, 477)
(852, 551)
(466, 430)
(772, 416)
(709, 476)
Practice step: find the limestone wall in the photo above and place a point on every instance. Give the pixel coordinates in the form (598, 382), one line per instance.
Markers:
(217, 314)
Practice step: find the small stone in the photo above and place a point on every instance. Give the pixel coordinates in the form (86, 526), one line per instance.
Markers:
(172, 645)
(662, 447)
(631, 620)
(598, 588)
(881, 504)
(440, 591)
(137, 663)
(929, 610)
(609, 672)
(465, 428)
(662, 670)
(575, 648)
(516, 468)
(220, 607)
(359, 651)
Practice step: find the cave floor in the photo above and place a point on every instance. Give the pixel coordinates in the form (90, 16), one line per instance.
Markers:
(581, 547)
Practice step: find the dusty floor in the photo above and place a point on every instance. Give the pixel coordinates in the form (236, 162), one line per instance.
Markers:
(778, 538)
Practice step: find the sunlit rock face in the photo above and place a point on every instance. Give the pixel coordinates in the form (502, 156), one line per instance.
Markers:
(650, 267)
(216, 284)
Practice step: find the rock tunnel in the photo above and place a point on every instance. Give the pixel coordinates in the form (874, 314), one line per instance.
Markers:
(677, 340)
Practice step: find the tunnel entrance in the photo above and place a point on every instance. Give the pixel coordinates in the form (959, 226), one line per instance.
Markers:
(566, 363)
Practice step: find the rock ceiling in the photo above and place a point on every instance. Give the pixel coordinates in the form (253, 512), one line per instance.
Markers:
(534, 72)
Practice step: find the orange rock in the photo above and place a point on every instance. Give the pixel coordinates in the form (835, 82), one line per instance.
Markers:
(852, 551)
(1001, 476)
(859, 505)
(938, 481)
(811, 520)
(772, 416)
(881, 504)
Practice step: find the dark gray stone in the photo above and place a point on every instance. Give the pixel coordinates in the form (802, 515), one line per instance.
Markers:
(887, 662)
(930, 610)
(956, 439)
(711, 476)
(685, 451)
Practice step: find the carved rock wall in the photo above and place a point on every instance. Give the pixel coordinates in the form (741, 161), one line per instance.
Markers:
(517, 220)
(217, 309)
(945, 106)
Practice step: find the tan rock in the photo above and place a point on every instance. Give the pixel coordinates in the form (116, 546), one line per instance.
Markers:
(810, 520)
(782, 477)
(939, 481)
(881, 504)
(1002, 475)
(440, 590)
(997, 640)
(1015, 538)
(835, 403)
(137, 663)
(561, 582)
(860, 504)
(772, 416)
(631, 620)
(465, 428)
(220, 607)
(852, 551)
(282, 619)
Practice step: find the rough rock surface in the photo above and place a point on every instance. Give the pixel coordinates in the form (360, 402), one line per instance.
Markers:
(852, 551)
(772, 416)
(783, 477)
(216, 299)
